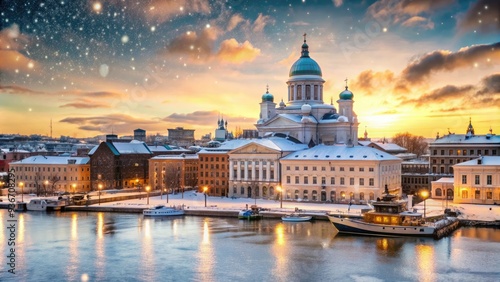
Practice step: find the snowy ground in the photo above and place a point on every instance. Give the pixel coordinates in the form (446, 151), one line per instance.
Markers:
(194, 200)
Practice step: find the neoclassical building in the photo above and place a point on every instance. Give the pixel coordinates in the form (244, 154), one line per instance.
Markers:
(340, 174)
(477, 181)
(305, 116)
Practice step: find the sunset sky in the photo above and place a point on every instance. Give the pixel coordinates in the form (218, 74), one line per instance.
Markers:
(96, 67)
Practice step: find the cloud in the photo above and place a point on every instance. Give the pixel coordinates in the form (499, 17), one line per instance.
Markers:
(85, 104)
(118, 123)
(490, 85)
(161, 11)
(197, 117)
(194, 45)
(14, 89)
(233, 52)
(369, 81)
(440, 95)
(261, 22)
(234, 21)
(338, 3)
(441, 60)
(418, 21)
(483, 16)
(12, 44)
(398, 12)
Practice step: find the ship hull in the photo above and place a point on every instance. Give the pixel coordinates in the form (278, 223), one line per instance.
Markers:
(358, 227)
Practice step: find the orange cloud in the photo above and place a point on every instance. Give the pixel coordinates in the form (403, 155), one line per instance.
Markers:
(261, 22)
(233, 52)
(235, 20)
(161, 11)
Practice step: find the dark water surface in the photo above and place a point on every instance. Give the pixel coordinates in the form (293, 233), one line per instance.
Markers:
(78, 246)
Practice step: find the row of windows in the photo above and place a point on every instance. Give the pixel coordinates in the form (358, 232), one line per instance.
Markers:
(44, 177)
(450, 161)
(361, 181)
(212, 166)
(477, 194)
(212, 182)
(332, 168)
(212, 174)
(33, 185)
(242, 163)
(250, 175)
(211, 159)
(477, 179)
(465, 152)
(415, 180)
(42, 169)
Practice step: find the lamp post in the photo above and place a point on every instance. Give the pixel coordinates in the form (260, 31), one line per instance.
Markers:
(74, 188)
(147, 190)
(281, 196)
(45, 185)
(22, 192)
(424, 195)
(100, 187)
(205, 192)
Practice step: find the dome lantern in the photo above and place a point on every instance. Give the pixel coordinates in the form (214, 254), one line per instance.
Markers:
(305, 65)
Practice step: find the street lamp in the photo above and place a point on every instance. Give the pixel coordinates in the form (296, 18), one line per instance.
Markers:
(205, 192)
(22, 192)
(46, 184)
(424, 195)
(74, 188)
(281, 196)
(147, 190)
(100, 187)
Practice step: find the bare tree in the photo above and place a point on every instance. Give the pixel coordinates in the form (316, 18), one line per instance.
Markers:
(53, 179)
(38, 180)
(172, 176)
(414, 144)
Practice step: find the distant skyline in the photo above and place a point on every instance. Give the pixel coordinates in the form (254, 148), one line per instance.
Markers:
(96, 67)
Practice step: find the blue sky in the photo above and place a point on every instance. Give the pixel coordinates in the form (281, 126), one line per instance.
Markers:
(94, 67)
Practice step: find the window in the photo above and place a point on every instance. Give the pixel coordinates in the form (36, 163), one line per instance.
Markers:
(341, 168)
(342, 181)
(370, 169)
(464, 152)
(493, 152)
(323, 168)
(305, 168)
(450, 152)
(442, 152)
(306, 180)
(477, 194)
(296, 180)
(351, 169)
(488, 179)
(332, 180)
(434, 152)
(361, 182)
(476, 179)
(242, 190)
(235, 190)
(315, 180)
(288, 179)
(323, 180)
(371, 182)
(314, 168)
(287, 167)
(486, 152)
(296, 168)
(478, 152)
(361, 169)
(351, 181)
(459, 152)
(489, 195)
(465, 194)
(332, 168)
(471, 152)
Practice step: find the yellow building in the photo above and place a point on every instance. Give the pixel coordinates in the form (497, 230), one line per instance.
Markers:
(477, 181)
(50, 174)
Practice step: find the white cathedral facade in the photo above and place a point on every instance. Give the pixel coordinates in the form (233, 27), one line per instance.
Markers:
(305, 116)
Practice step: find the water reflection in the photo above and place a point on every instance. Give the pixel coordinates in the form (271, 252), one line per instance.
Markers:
(71, 269)
(205, 255)
(100, 253)
(425, 262)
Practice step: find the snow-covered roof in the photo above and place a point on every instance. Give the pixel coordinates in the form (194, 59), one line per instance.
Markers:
(444, 180)
(388, 147)
(52, 160)
(464, 139)
(176, 157)
(486, 160)
(340, 152)
(160, 148)
(132, 148)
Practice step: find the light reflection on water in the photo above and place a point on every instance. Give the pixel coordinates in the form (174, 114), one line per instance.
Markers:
(125, 247)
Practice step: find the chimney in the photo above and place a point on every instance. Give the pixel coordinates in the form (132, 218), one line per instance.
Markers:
(480, 160)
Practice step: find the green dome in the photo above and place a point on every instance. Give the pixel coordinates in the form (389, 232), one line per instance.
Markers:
(346, 94)
(267, 97)
(305, 65)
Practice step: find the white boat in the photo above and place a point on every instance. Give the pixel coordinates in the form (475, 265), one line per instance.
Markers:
(295, 217)
(162, 210)
(37, 205)
(55, 205)
(251, 214)
(388, 218)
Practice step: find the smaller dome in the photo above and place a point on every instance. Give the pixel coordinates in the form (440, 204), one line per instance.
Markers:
(282, 104)
(346, 94)
(342, 119)
(305, 109)
(267, 97)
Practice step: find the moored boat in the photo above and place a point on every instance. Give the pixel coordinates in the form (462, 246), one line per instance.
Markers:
(251, 214)
(37, 205)
(295, 217)
(162, 210)
(389, 217)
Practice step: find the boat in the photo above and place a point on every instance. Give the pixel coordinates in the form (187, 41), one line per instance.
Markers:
(37, 205)
(161, 210)
(389, 217)
(295, 217)
(250, 214)
(55, 205)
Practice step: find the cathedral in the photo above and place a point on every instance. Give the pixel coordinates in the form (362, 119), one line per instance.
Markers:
(305, 117)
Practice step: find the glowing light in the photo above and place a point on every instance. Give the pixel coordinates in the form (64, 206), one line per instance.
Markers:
(97, 7)
(207, 26)
(181, 8)
(31, 65)
(384, 29)
(125, 39)
(153, 28)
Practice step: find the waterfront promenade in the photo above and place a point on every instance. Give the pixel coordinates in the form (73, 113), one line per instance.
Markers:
(194, 203)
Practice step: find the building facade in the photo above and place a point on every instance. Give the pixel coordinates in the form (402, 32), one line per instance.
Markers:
(50, 174)
(451, 149)
(340, 174)
(119, 165)
(254, 168)
(181, 137)
(477, 181)
(173, 173)
(305, 116)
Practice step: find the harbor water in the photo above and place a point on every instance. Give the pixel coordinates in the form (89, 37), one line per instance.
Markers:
(96, 246)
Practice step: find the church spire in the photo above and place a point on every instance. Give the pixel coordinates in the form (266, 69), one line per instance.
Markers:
(470, 129)
(305, 48)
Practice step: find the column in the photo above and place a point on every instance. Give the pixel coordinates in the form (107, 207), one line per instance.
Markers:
(245, 177)
(260, 170)
(231, 171)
